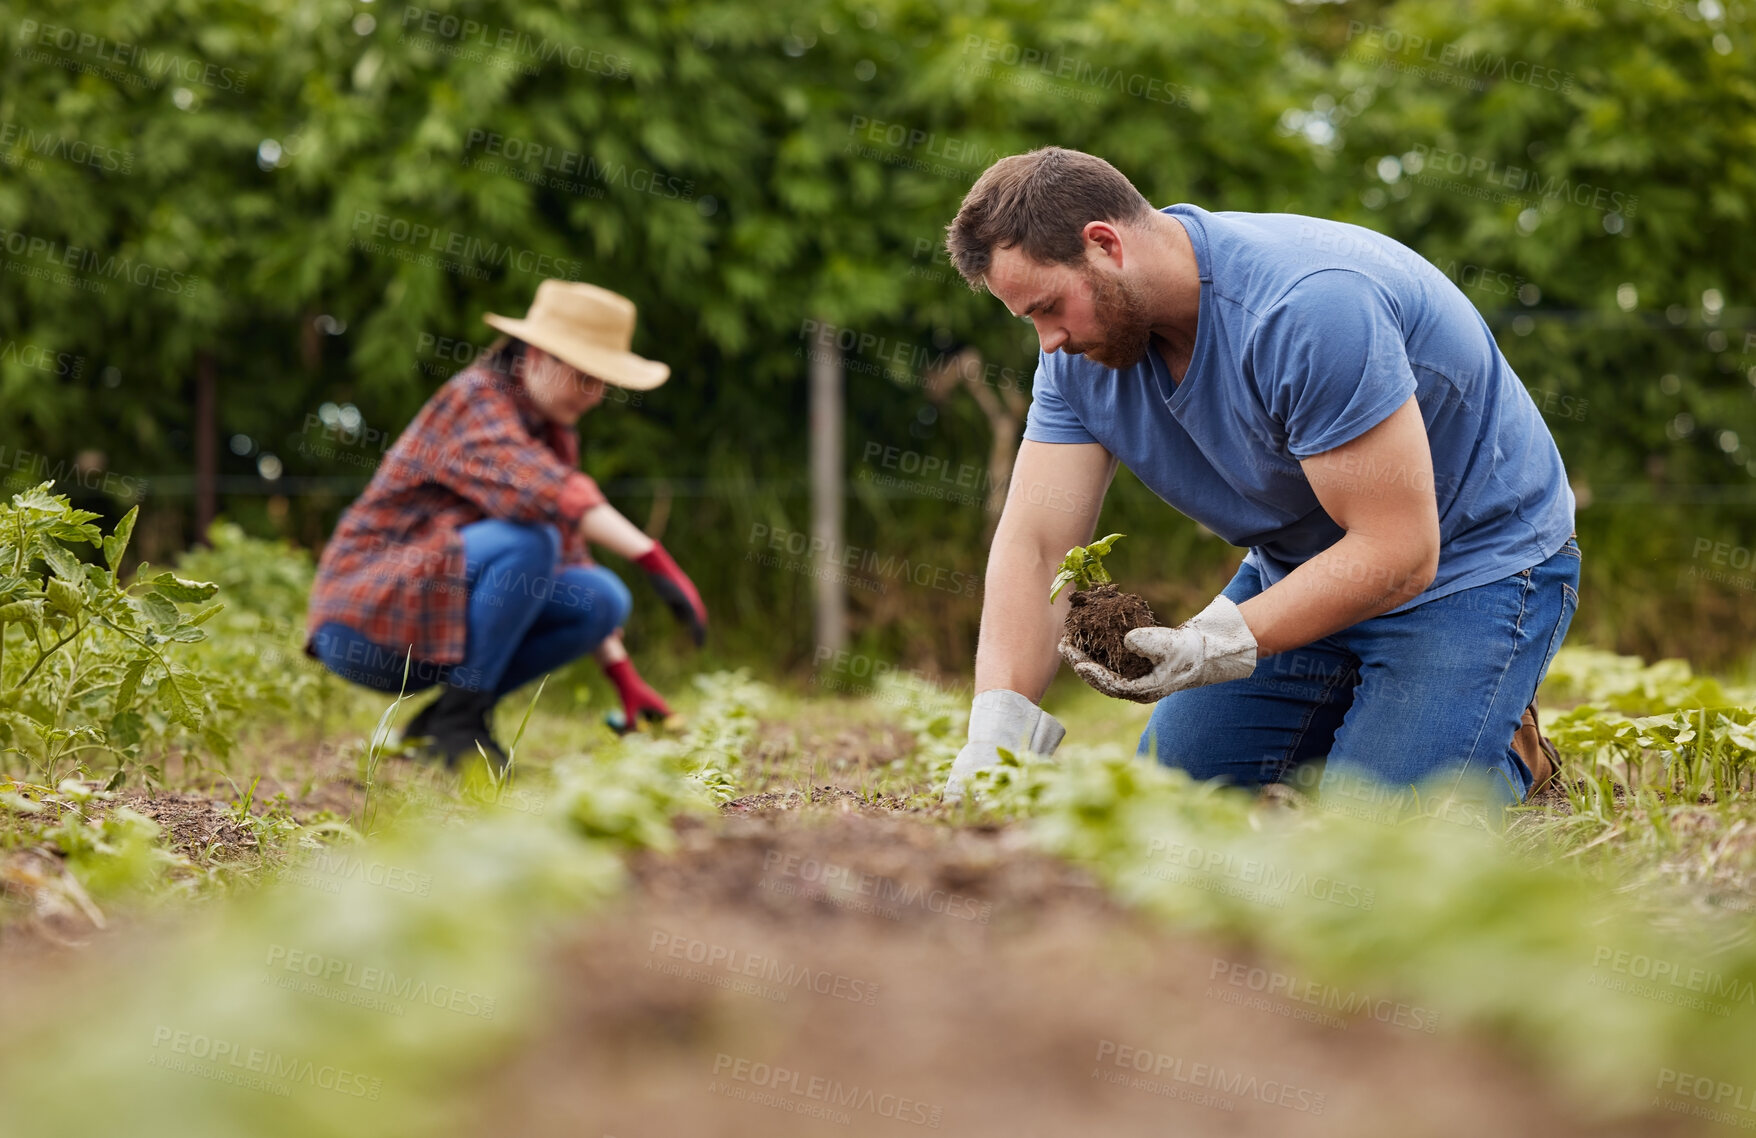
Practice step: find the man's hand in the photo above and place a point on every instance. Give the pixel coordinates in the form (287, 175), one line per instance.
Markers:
(1000, 718)
(676, 589)
(1210, 647)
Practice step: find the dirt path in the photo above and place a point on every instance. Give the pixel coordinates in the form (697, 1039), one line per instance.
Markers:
(952, 980)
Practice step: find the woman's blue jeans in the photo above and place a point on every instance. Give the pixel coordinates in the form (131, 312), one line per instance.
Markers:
(527, 615)
(1413, 699)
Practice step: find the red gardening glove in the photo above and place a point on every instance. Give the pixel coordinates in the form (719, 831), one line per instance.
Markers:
(638, 697)
(676, 589)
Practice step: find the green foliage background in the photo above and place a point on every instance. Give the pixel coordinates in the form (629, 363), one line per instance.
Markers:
(741, 170)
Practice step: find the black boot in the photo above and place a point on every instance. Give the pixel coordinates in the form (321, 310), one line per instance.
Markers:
(421, 726)
(458, 720)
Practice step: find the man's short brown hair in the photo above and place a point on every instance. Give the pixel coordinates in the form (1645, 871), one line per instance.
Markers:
(1039, 202)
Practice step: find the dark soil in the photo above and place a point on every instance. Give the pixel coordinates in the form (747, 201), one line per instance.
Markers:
(977, 988)
(1098, 620)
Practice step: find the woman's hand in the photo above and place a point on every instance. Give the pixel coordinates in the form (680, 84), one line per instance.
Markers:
(604, 525)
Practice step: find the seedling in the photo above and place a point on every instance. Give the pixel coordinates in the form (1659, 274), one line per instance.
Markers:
(1083, 567)
(1101, 614)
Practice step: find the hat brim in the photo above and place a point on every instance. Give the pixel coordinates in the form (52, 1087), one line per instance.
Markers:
(622, 369)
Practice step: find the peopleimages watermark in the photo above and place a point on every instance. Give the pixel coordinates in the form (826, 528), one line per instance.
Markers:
(62, 365)
(756, 974)
(31, 468)
(124, 63)
(66, 149)
(451, 249)
(846, 887)
(75, 266)
(368, 986)
(321, 867)
(1203, 1084)
(1480, 278)
(1280, 993)
(450, 355)
(1509, 184)
(255, 1068)
(559, 168)
(800, 552)
(857, 673)
(918, 149)
(1040, 70)
(813, 1096)
(507, 49)
(1416, 54)
(884, 356)
(925, 475)
(1719, 563)
(1200, 868)
(1703, 1096)
(1667, 982)
(333, 441)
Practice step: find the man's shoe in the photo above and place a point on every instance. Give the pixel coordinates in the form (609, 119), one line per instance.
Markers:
(459, 721)
(1533, 748)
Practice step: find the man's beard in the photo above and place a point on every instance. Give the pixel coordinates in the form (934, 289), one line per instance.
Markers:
(1121, 310)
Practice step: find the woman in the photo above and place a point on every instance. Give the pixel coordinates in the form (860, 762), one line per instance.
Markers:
(465, 561)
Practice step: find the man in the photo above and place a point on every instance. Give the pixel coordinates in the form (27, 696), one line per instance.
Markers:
(1320, 394)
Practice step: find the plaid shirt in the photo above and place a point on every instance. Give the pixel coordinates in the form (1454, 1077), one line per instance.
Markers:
(394, 570)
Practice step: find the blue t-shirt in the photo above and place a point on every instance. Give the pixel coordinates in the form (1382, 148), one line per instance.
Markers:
(1310, 333)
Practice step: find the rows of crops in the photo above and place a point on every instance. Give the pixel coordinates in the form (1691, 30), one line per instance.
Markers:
(1604, 932)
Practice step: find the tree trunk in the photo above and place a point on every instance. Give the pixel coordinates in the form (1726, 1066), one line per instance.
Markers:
(206, 447)
(828, 498)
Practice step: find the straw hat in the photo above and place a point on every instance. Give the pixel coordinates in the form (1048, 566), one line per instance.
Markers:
(588, 327)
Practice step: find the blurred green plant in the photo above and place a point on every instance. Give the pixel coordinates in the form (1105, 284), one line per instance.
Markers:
(1430, 908)
(88, 664)
(424, 938)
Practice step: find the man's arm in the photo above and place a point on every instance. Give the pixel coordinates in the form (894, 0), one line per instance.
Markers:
(1379, 488)
(1051, 506)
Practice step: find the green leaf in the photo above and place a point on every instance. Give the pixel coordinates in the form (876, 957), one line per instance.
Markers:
(130, 685)
(202, 616)
(159, 608)
(65, 596)
(181, 693)
(117, 543)
(22, 612)
(181, 589)
(60, 559)
(127, 729)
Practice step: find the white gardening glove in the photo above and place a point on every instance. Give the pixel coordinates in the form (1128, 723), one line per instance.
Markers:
(1210, 647)
(1000, 718)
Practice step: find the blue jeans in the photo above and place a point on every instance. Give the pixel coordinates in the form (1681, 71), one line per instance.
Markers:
(1396, 701)
(526, 616)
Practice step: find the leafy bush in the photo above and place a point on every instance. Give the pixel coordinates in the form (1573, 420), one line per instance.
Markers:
(88, 666)
(258, 640)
